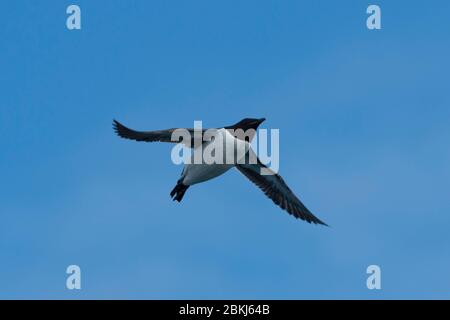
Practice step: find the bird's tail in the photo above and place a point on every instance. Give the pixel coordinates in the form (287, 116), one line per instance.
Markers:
(179, 191)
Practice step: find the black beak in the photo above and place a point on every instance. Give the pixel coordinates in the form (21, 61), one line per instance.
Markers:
(261, 120)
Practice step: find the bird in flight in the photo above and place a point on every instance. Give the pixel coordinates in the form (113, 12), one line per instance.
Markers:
(270, 183)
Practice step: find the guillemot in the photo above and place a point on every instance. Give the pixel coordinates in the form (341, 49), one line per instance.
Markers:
(236, 138)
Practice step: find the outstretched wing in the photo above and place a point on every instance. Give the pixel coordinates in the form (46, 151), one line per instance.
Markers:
(276, 189)
(158, 135)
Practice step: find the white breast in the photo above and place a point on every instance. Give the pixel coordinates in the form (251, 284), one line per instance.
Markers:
(196, 173)
(230, 147)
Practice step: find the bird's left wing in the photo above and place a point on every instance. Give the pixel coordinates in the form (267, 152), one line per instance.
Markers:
(276, 189)
(158, 135)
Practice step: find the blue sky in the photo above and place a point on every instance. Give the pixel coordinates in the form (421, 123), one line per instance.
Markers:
(364, 130)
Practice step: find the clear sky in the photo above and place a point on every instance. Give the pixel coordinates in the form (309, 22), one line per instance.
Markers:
(364, 141)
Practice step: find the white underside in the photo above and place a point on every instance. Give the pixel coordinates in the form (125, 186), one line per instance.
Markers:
(196, 173)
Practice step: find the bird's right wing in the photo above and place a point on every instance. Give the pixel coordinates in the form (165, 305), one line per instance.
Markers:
(277, 190)
(159, 135)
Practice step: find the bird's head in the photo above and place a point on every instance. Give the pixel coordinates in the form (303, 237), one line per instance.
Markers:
(247, 123)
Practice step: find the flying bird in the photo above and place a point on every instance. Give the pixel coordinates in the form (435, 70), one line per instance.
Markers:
(271, 184)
